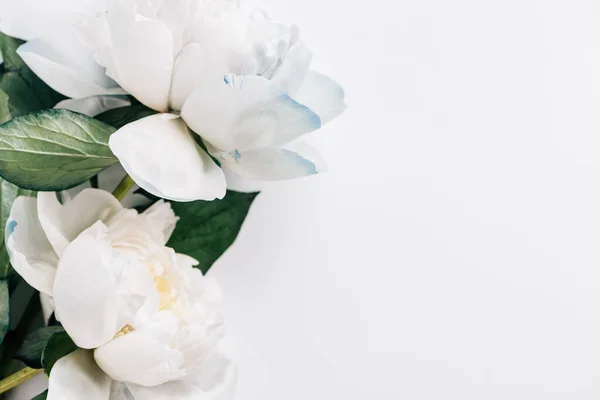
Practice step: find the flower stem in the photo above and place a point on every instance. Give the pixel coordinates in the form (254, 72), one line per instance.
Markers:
(123, 187)
(17, 378)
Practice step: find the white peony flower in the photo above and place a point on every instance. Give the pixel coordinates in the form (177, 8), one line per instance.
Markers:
(240, 81)
(147, 322)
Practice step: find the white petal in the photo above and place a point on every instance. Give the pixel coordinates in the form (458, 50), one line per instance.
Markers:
(67, 66)
(144, 356)
(30, 19)
(142, 54)
(218, 377)
(238, 112)
(76, 376)
(267, 164)
(238, 183)
(162, 216)
(162, 157)
(197, 62)
(216, 381)
(85, 290)
(292, 72)
(47, 303)
(63, 223)
(94, 105)
(119, 391)
(30, 253)
(322, 95)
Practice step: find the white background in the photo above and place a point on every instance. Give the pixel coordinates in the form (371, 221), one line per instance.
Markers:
(453, 251)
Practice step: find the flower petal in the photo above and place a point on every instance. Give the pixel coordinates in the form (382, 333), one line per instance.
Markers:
(161, 214)
(67, 66)
(76, 376)
(323, 95)
(94, 105)
(218, 377)
(144, 356)
(239, 112)
(85, 289)
(142, 54)
(267, 164)
(291, 73)
(216, 381)
(238, 183)
(63, 223)
(47, 303)
(162, 157)
(30, 253)
(35, 18)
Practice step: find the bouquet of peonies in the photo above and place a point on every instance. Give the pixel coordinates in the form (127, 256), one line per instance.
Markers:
(135, 135)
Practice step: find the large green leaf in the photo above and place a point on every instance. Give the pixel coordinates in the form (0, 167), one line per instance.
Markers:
(4, 309)
(34, 344)
(53, 149)
(119, 117)
(58, 346)
(8, 194)
(207, 228)
(26, 92)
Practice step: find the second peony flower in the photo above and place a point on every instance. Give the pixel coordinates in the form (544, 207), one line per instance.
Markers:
(147, 323)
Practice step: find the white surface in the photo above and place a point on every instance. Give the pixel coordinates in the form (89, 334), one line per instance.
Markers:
(454, 250)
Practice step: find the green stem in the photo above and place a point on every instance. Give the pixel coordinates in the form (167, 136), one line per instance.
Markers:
(123, 187)
(17, 378)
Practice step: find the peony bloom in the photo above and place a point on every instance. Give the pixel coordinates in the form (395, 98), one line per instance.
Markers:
(147, 323)
(240, 81)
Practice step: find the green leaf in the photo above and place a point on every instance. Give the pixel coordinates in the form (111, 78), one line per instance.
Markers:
(207, 228)
(41, 396)
(58, 346)
(34, 344)
(4, 309)
(119, 117)
(26, 92)
(8, 194)
(4, 109)
(53, 150)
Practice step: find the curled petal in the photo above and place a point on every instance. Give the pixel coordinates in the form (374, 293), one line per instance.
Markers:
(323, 95)
(141, 54)
(67, 66)
(267, 164)
(94, 105)
(64, 222)
(162, 157)
(162, 216)
(143, 356)
(35, 18)
(238, 183)
(291, 73)
(216, 381)
(31, 254)
(85, 289)
(239, 112)
(76, 376)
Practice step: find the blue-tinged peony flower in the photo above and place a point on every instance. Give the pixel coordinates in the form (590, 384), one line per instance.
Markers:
(147, 323)
(241, 81)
